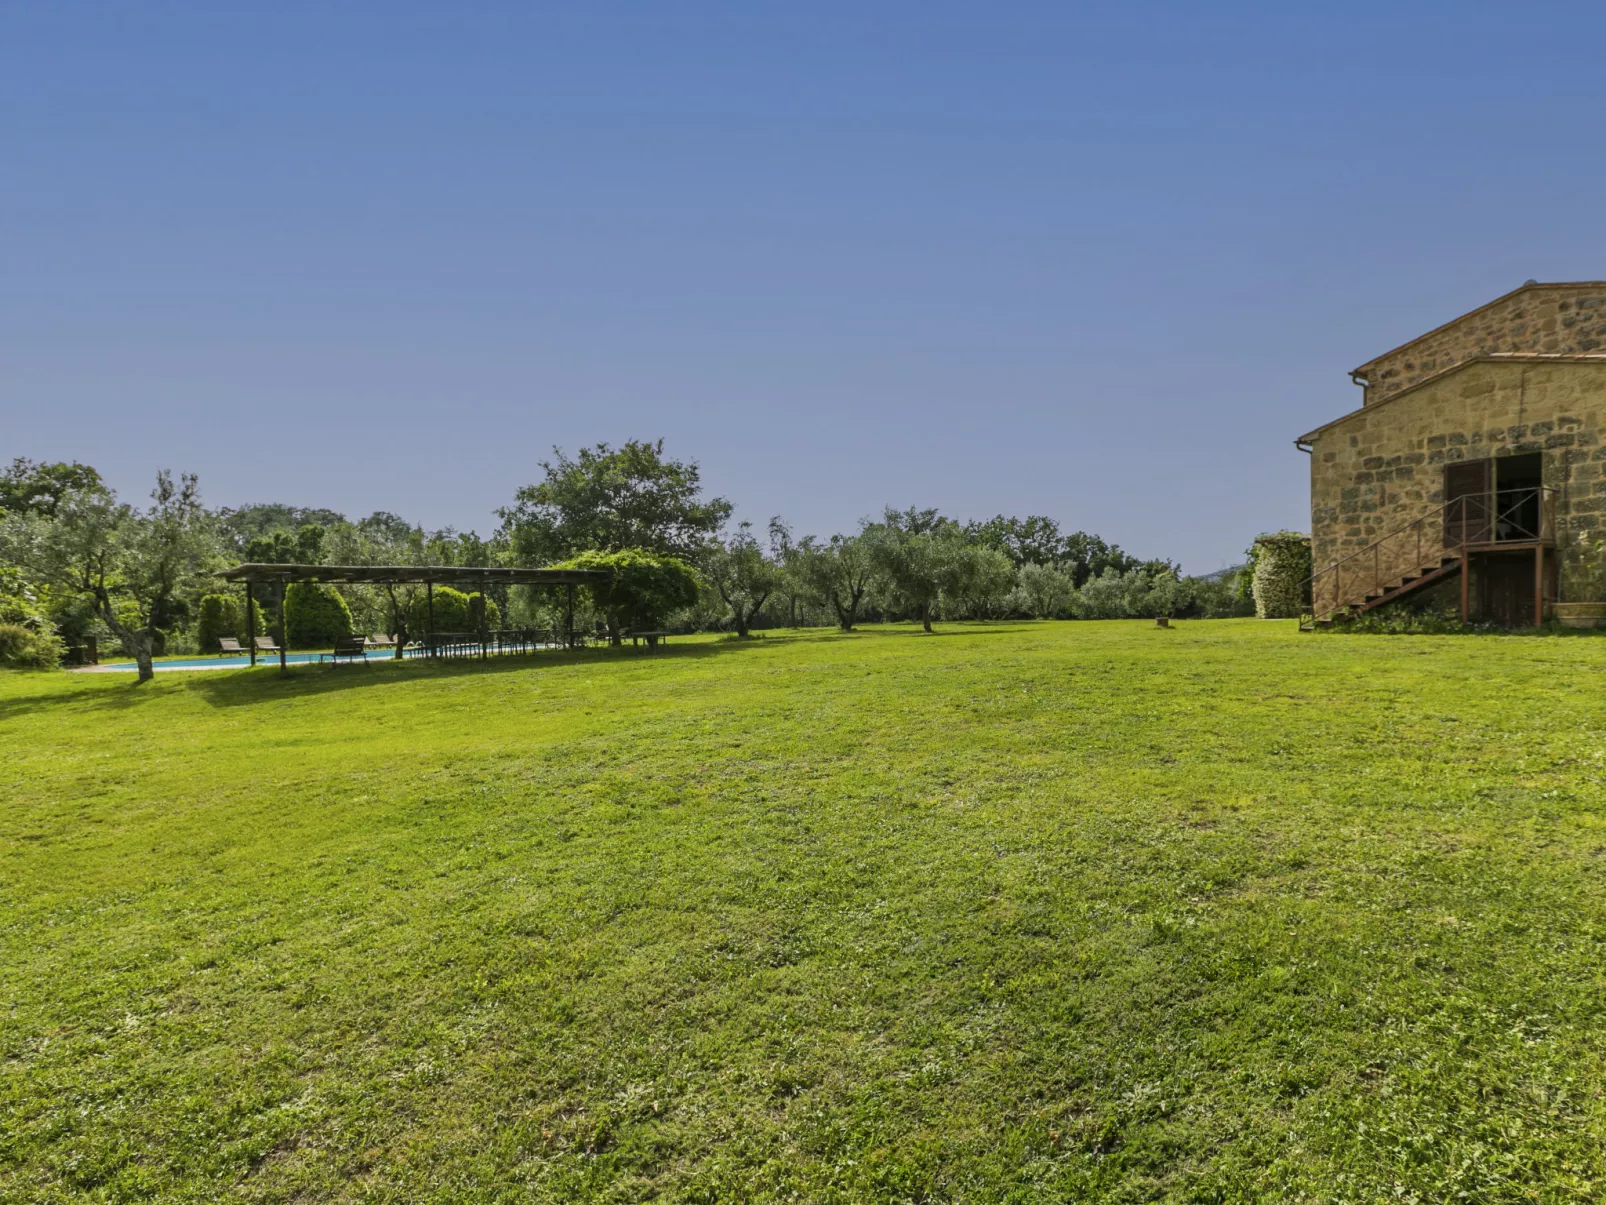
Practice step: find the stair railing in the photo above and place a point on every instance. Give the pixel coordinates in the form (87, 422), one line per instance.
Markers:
(1425, 543)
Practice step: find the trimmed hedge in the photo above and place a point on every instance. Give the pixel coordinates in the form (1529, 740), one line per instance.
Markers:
(314, 615)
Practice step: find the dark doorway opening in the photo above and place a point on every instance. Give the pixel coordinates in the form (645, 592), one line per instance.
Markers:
(1517, 482)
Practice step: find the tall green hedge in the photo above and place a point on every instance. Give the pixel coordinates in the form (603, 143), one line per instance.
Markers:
(220, 615)
(1281, 563)
(314, 615)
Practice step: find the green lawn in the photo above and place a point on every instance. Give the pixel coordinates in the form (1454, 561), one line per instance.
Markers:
(1028, 912)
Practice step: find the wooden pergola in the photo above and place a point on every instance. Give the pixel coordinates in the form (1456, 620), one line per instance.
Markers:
(428, 576)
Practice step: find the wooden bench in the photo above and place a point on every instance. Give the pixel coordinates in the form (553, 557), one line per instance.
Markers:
(265, 645)
(352, 648)
(227, 645)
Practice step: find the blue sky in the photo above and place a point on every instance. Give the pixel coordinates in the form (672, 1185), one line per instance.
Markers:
(1097, 262)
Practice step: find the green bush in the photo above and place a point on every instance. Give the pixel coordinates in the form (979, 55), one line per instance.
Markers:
(314, 615)
(1280, 564)
(220, 615)
(642, 589)
(451, 612)
(24, 648)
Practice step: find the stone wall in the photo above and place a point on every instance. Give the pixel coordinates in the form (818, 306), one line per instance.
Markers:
(1382, 467)
(1561, 319)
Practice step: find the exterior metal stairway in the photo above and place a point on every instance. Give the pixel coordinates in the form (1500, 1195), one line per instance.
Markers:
(1430, 548)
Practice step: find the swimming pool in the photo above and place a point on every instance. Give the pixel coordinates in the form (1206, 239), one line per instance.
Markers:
(242, 662)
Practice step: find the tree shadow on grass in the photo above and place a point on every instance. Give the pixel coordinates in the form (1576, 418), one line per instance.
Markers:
(244, 688)
(88, 701)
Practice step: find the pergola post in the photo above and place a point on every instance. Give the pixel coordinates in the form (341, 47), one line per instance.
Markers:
(485, 621)
(429, 605)
(568, 616)
(284, 632)
(251, 624)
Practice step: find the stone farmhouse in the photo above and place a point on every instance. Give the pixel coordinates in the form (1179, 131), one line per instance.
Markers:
(1475, 467)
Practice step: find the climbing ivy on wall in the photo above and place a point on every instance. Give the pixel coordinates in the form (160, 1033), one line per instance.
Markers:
(1279, 563)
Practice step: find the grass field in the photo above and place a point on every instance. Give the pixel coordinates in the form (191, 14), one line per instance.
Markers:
(1033, 912)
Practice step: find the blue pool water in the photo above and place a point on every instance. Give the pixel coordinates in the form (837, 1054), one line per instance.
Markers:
(242, 662)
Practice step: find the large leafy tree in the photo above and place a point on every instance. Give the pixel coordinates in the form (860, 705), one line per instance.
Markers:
(132, 564)
(31, 488)
(1034, 540)
(742, 575)
(609, 499)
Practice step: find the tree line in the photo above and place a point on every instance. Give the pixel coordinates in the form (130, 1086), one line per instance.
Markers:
(76, 562)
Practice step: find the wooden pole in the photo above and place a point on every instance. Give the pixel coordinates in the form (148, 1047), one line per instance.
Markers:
(251, 624)
(568, 620)
(1466, 579)
(429, 604)
(485, 621)
(284, 635)
(1539, 585)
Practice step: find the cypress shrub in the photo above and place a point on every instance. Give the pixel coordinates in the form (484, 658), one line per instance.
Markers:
(220, 615)
(1281, 565)
(314, 614)
(483, 612)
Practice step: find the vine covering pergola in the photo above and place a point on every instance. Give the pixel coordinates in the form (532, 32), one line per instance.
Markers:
(428, 576)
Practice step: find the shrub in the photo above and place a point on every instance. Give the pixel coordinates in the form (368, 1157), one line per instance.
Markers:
(642, 589)
(314, 614)
(1281, 563)
(220, 615)
(451, 609)
(24, 648)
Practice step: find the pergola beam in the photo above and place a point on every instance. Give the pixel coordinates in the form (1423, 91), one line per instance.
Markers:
(395, 575)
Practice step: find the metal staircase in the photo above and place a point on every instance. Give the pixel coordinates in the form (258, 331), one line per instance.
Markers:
(1430, 548)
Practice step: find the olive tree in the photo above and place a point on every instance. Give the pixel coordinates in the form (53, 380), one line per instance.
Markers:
(131, 564)
(837, 573)
(918, 555)
(742, 575)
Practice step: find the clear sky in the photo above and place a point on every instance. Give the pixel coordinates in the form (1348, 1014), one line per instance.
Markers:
(1101, 262)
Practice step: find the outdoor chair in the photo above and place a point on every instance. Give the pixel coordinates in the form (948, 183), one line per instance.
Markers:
(378, 640)
(227, 645)
(352, 648)
(265, 645)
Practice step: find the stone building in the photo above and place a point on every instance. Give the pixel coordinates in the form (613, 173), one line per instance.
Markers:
(1473, 467)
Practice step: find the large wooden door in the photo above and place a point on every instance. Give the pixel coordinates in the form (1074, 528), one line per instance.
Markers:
(1506, 589)
(1466, 496)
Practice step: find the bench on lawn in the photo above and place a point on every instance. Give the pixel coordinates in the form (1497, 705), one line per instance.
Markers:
(352, 648)
(265, 645)
(228, 644)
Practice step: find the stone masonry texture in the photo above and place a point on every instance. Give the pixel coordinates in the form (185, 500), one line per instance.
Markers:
(1551, 319)
(1381, 467)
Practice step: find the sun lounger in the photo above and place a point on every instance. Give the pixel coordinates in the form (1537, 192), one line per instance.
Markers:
(352, 648)
(227, 645)
(265, 645)
(380, 641)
